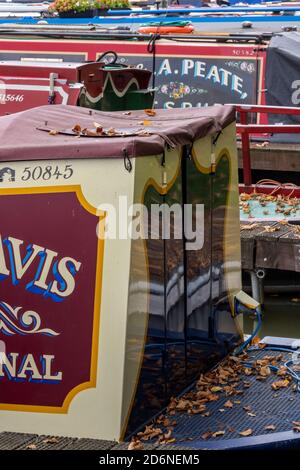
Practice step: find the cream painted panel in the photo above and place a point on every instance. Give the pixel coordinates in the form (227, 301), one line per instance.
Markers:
(96, 412)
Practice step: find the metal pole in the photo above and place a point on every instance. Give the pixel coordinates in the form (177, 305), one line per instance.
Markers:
(257, 288)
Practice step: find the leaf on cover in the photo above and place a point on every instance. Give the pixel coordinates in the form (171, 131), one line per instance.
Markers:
(218, 433)
(228, 404)
(135, 445)
(50, 440)
(76, 129)
(150, 112)
(216, 389)
(270, 427)
(99, 128)
(246, 433)
(265, 371)
(280, 384)
(247, 408)
(206, 435)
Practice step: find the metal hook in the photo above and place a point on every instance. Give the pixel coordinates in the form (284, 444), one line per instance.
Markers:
(127, 161)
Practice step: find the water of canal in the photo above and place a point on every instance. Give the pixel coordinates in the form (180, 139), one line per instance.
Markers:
(281, 316)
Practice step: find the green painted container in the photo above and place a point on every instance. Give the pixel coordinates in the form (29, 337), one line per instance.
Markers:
(119, 88)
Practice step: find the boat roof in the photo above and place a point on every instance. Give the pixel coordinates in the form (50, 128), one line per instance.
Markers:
(93, 32)
(25, 135)
(239, 19)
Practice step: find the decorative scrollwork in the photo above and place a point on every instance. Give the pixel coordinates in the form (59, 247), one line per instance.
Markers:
(12, 322)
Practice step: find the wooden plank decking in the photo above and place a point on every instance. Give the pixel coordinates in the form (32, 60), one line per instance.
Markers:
(270, 245)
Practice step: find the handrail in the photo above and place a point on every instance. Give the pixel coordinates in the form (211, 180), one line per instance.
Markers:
(257, 108)
(245, 129)
(268, 129)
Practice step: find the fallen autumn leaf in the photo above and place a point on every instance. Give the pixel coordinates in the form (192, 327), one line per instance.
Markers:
(246, 433)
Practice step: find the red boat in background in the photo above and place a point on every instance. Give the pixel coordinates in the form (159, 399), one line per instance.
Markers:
(27, 84)
(187, 71)
(42, 84)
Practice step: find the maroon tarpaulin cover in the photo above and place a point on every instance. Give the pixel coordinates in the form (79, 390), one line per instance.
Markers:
(22, 139)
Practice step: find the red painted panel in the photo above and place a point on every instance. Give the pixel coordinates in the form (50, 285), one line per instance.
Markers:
(55, 221)
(18, 95)
(233, 56)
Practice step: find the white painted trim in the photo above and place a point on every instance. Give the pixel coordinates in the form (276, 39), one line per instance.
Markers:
(119, 94)
(57, 89)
